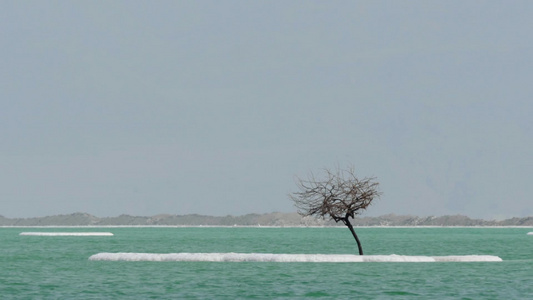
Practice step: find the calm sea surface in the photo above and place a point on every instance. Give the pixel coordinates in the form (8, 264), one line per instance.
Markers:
(58, 267)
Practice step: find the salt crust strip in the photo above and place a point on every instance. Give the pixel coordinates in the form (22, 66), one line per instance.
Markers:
(264, 257)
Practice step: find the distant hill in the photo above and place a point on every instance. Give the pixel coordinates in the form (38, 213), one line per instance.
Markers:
(270, 219)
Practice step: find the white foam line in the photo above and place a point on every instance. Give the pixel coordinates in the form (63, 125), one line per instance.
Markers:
(530, 233)
(265, 257)
(67, 233)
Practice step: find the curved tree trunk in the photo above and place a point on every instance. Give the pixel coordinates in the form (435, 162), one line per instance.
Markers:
(347, 223)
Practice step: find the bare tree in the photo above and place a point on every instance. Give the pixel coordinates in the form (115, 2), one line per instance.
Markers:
(340, 195)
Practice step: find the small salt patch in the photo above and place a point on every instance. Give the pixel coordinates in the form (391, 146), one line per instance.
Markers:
(67, 233)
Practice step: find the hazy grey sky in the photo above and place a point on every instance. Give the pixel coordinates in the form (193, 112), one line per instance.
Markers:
(212, 107)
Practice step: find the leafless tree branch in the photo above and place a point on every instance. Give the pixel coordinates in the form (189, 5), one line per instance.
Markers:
(339, 196)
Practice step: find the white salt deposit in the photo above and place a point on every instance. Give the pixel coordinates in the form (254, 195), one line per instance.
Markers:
(265, 257)
(466, 258)
(67, 233)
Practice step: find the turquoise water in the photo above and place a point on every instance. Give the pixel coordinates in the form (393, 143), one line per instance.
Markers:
(57, 267)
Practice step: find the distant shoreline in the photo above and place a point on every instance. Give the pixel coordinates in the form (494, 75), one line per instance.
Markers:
(267, 220)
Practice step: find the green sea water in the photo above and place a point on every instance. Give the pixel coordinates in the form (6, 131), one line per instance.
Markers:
(58, 267)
